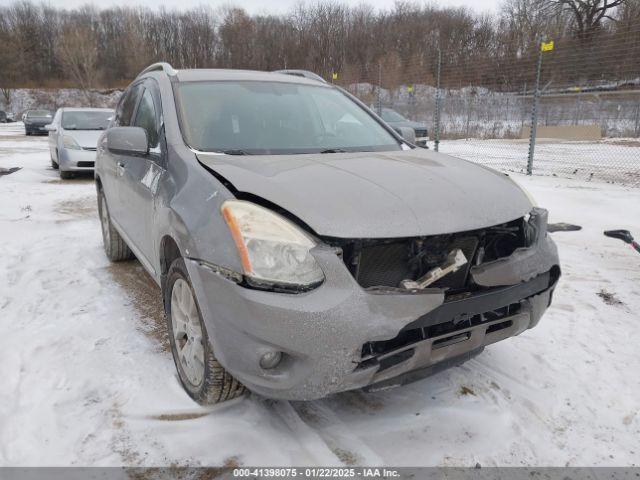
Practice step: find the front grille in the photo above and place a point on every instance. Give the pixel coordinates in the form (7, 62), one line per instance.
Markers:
(421, 133)
(389, 264)
(86, 164)
(385, 263)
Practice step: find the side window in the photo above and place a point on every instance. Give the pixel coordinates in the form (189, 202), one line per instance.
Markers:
(126, 106)
(146, 118)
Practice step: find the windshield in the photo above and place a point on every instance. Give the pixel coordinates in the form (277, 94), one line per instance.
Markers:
(86, 120)
(389, 115)
(38, 113)
(275, 118)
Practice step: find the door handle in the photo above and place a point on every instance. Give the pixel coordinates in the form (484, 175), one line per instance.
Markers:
(120, 168)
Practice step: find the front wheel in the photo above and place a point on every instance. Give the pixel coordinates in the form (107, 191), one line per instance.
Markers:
(201, 375)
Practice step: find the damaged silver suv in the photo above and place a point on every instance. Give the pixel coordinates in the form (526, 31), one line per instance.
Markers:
(302, 246)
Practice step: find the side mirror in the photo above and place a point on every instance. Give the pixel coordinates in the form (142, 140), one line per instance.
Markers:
(50, 128)
(128, 140)
(408, 133)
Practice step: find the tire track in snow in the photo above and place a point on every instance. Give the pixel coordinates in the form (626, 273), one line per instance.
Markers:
(310, 440)
(338, 437)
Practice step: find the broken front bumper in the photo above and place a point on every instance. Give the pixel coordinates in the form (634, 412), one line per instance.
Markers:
(322, 334)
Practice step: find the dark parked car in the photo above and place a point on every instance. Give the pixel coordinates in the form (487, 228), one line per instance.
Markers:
(35, 121)
(302, 246)
(394, 119)
(3, 117)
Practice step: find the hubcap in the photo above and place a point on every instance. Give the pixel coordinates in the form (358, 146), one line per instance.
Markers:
(187, 332)
(104, 220)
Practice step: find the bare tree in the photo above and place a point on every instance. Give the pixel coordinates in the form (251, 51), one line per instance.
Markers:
(78, 54)
(41, 45)
(588, 15)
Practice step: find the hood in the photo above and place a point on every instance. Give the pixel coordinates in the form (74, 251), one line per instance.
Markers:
(410, 124)
(85, 138)
(377, 194)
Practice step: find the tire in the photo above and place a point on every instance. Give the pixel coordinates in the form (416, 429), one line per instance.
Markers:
(54, 165)
(28, 133)
(115, 247)
(208, 383)
(65, 175)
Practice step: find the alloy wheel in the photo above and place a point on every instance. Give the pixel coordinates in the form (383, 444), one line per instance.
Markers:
(187, 332)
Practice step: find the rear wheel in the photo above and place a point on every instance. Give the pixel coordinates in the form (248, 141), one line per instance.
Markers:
(114, 245)
(201, 375)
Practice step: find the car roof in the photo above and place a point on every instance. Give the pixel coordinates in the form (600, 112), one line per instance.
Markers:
(214, 74)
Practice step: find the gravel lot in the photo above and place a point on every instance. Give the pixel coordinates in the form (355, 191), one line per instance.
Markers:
(87, 378)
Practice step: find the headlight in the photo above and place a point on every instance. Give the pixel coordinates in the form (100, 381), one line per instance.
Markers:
(272, 249)
(70, 143)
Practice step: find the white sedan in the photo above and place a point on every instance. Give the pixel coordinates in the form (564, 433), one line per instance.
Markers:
(73, 137)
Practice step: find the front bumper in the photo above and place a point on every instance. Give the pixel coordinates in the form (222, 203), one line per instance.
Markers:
(36, 128)
(76, 160)
(322, 333)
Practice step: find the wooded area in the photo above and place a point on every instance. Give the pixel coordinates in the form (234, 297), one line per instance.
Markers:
(599, 40)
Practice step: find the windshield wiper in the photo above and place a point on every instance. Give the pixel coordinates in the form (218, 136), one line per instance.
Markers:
(234, 152)
(334, 150)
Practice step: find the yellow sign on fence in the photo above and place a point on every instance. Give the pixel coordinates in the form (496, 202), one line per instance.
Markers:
(546, 46)
(334, 75)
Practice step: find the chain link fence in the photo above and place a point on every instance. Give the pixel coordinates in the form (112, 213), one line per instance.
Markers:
(582, 98)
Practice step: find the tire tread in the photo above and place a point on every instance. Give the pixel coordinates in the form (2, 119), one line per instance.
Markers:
(117, 249)
(218, 384)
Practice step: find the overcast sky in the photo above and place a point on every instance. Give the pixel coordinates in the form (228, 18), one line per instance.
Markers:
(259, 6)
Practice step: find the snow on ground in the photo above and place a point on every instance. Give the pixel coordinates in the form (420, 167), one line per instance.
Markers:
(609, 160)
(87, 378)
(11, 129)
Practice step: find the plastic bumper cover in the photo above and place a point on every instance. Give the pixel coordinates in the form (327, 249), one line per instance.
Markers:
(321, 333)
(76, 160)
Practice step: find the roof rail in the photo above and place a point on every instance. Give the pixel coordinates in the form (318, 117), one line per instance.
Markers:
(164, 66)
(302, 73)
